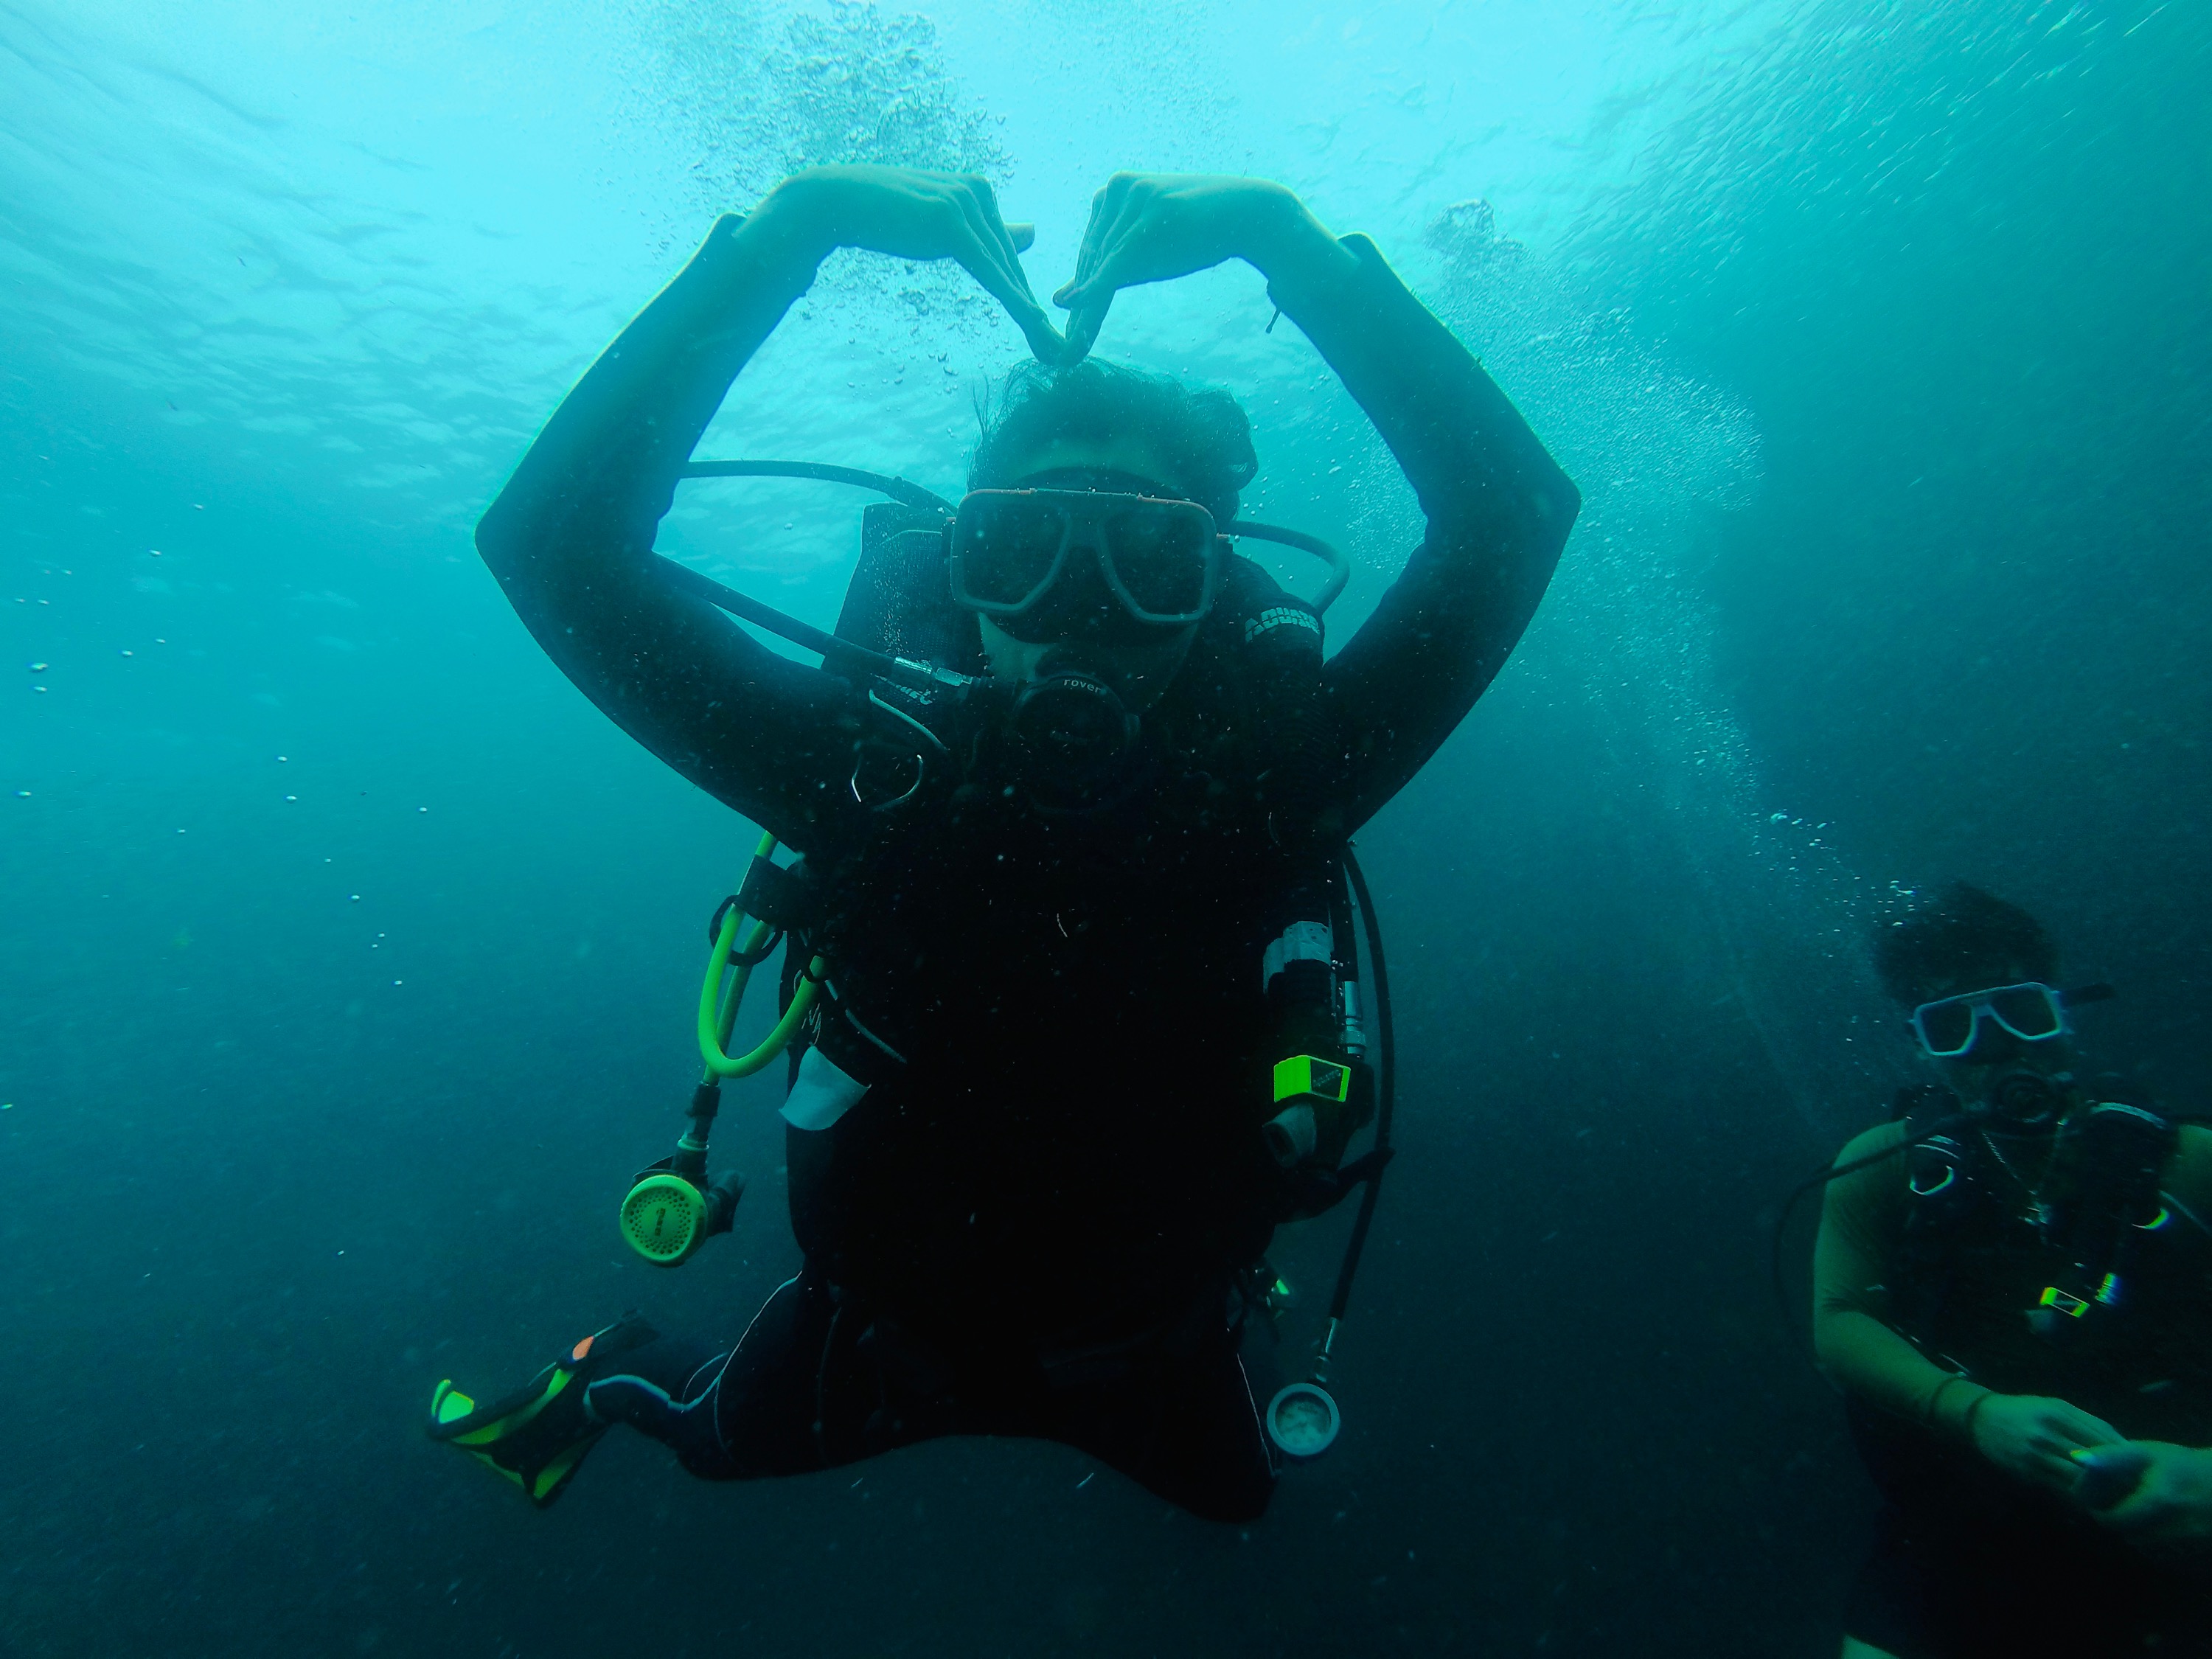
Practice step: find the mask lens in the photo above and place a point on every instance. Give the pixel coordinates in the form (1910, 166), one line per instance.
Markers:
(1007, 549)
(2028, 1012)
(1159, 554)
(1945, 1027)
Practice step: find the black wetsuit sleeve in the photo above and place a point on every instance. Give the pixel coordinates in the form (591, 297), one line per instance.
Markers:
(1499, 511)
(570, 539)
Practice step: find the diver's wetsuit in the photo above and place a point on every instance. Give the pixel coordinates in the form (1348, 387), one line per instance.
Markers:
(1969, 1561)
(1030, 1222)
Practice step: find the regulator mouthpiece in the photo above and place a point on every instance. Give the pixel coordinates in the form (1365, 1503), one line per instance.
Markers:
(1073, 734)
(666, 1217)
(1302, 1421)
(2026, 1100)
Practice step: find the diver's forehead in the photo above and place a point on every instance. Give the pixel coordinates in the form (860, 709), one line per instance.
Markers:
(1100, 478)
(1987, 975)
(1130, 458)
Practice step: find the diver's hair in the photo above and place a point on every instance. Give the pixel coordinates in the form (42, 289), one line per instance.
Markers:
(1963, 939)
(1201, 433)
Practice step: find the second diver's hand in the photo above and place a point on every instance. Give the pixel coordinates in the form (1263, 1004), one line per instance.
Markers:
(2033, 1437)
(909, 215)
(2155, 1494)
(1155, 227)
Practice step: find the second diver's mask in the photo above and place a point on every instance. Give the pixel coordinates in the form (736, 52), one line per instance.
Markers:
(2005, 1026)
(2031, 1011)
(2001, 1025)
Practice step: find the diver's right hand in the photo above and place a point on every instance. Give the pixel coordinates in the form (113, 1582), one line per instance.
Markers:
(2031, 1436)
(913, 214)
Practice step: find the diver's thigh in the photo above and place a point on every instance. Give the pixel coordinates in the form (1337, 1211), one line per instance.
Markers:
(1185, 1428)
(765, 1399)
(1211, 1434)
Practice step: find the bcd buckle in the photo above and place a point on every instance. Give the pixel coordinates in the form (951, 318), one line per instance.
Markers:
(2072, 1306)
(777, 895)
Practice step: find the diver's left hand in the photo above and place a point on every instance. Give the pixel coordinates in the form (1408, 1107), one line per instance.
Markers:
(2169, 1509)
(1155, 227)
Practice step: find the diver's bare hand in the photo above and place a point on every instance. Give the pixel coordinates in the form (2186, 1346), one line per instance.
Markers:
(2033, 1437)
(2167, 1508)
(912, 214)
(1155, 227)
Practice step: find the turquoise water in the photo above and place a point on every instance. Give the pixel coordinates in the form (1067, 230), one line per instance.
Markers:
(344, 949)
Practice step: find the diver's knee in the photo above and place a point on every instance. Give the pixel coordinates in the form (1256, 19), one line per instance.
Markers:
(1232, 1502)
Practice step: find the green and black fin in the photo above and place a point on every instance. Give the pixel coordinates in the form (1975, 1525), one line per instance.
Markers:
(537, 1435)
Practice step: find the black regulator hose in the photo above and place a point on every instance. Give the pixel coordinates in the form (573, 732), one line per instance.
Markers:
(910, 495)
(1386, 1090)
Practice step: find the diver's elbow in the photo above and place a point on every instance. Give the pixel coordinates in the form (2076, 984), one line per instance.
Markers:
(1837, 1337)
(503, 537)
(1553, 505)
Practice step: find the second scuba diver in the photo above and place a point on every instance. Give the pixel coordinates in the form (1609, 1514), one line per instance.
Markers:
(2014, 1286)
(1066, 922)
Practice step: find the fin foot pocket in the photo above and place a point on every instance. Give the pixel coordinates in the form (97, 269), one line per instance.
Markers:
(536, 1435)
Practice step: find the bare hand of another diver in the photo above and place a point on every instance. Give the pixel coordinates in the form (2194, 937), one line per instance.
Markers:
(912, 214)
(2168, 1509)
(2031, 1436)
(1155, 227)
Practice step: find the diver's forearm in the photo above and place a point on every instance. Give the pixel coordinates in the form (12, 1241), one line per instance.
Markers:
(1466, 450)
(604, 470)
(568, 539)
(1868, 1358)
(1499, 512)
(1294, 251)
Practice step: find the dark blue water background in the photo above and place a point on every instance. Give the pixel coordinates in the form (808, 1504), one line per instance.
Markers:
(346, 954)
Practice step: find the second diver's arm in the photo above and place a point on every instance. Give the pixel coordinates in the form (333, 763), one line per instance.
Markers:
(2031, 1437)
(1855, 1345)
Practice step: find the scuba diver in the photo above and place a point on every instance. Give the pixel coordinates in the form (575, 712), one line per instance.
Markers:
(1067, 931)
(2013, 1286)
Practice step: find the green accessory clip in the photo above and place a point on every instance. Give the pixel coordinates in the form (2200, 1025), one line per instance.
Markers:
(1305, 1075)
(2072, 1306)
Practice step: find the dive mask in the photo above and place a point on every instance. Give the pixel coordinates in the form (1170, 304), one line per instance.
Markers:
(1948, 1027)
(1020, 555)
